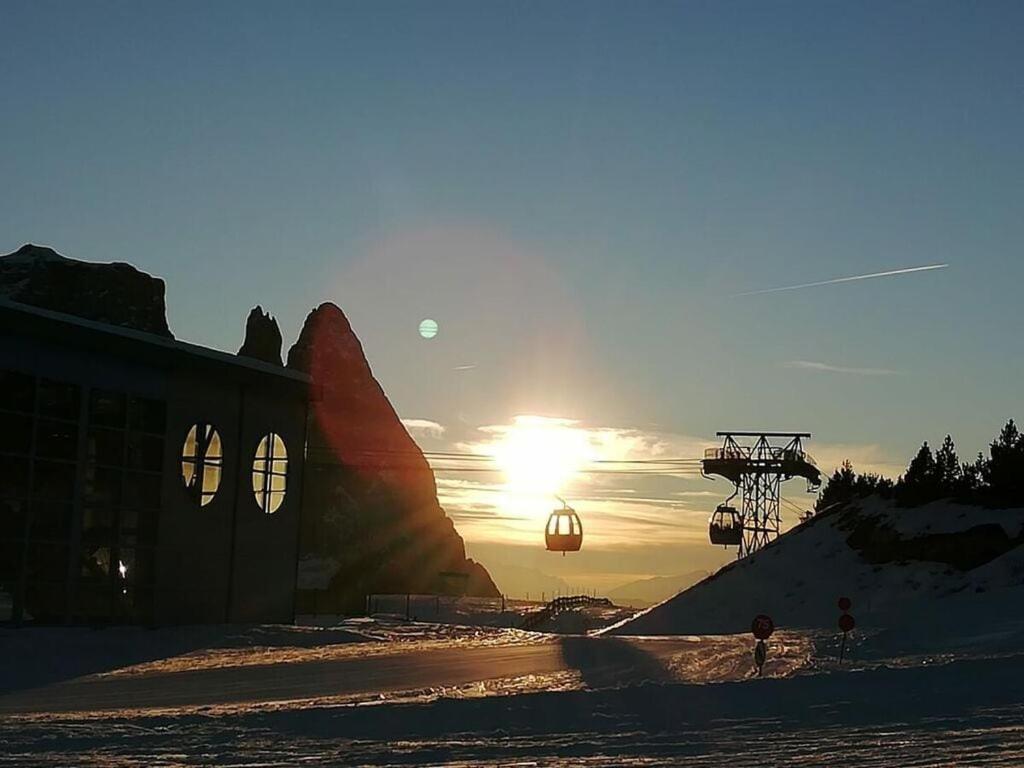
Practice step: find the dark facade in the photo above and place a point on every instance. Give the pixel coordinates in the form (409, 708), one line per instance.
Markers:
(144, 480)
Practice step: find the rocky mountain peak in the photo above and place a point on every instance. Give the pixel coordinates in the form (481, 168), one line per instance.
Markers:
(115, 294)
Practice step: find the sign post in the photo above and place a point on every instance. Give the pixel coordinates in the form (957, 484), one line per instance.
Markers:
(846, 623)
(761, 628)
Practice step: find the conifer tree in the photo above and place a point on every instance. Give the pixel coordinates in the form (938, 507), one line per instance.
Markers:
(921, 482)
(949, 474)
(1004, 472)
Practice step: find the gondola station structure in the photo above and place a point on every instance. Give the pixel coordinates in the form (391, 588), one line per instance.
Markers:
(756, 463)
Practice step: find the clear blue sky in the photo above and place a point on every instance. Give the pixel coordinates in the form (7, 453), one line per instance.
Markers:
(573, 190)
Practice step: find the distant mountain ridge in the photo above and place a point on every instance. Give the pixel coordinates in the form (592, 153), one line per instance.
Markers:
(645, 592)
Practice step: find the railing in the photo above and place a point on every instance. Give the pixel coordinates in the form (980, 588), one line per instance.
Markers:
(559, 604)
(772, 453)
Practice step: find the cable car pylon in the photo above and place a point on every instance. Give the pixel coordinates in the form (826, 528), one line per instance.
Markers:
(756, 463)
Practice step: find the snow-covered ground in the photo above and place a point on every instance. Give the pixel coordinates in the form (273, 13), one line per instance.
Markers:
(566, 701)
(934, 676)
(798, 579)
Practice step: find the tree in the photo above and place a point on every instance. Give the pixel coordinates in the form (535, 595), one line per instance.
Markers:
(1004, 471)
(948, 472)
(838, 488)
(921, 482)
(846, 484)
(972, 477)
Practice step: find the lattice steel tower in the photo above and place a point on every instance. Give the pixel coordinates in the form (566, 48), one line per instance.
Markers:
(757, 470)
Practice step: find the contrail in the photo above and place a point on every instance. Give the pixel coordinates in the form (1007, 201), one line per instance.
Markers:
(890, 273)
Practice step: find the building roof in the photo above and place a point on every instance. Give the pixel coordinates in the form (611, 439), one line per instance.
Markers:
(145, 347)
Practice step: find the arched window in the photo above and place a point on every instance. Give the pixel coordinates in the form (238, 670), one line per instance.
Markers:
(270, 473)
(202, 460)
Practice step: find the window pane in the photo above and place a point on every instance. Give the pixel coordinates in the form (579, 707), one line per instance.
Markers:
(276, 500)
(103, 486)
(277, 483)
(14, 477)
(211, 479)
(188, 473)
(107, 409)
(95, 562)
(13, 518)
(51, 519)
(189, 449)
(213, 447)
(146, 415)
(141, 491)
(56, 439)
(97, 523)
(15, 432)
(58, 399)
(106, 446)
(17, 391)
(145, 452)
(53, 481)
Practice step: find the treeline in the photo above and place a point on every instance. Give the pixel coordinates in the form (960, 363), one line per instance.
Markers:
(993, 480)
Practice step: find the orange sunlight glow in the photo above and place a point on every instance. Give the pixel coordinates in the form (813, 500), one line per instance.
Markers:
(539, 457)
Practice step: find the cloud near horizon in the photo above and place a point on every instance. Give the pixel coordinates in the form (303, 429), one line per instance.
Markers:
(424, 428)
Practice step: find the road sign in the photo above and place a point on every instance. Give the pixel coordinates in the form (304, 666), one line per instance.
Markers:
(846, 623)
(845, 604)
(762, 627)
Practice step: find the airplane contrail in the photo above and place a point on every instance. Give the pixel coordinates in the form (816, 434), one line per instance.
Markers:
(889, 273)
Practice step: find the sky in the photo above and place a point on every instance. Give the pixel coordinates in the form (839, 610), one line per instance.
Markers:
(588, 198)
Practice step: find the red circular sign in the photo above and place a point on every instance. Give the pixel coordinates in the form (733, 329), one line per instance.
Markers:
(845, 604)
(762, 627)
(846, 622)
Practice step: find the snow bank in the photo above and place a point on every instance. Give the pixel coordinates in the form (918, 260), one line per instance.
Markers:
(858, 552)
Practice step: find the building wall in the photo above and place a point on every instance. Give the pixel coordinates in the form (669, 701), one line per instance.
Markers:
(127, 503)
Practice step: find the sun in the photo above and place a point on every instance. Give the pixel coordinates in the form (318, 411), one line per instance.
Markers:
(540, 456)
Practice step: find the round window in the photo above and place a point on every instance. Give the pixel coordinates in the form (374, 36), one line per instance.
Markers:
(202, 461)
(270, 473)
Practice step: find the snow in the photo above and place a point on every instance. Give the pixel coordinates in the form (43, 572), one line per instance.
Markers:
(965, 712)
(933, 675)
(798, 579)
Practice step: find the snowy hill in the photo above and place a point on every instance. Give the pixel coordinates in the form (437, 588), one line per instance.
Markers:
(941, 568)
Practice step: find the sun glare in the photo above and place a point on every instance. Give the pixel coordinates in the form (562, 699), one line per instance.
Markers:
(540, 456)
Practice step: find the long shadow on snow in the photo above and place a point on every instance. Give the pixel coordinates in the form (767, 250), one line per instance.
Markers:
(31, 657)
(605, 662)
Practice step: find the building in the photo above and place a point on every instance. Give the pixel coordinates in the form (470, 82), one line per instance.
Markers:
(142, 479)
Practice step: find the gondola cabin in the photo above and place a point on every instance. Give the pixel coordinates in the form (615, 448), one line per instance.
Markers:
(725, 526)
(564, 531)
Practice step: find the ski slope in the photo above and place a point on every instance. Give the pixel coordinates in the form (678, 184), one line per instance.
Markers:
(798, 579)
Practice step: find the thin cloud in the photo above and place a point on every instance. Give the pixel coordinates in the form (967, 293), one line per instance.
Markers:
(464, 368)
(811, 365)
(853, 278)
(423, 427)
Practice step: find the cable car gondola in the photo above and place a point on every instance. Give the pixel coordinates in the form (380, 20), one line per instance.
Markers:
(564, 531)
(726, 525)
